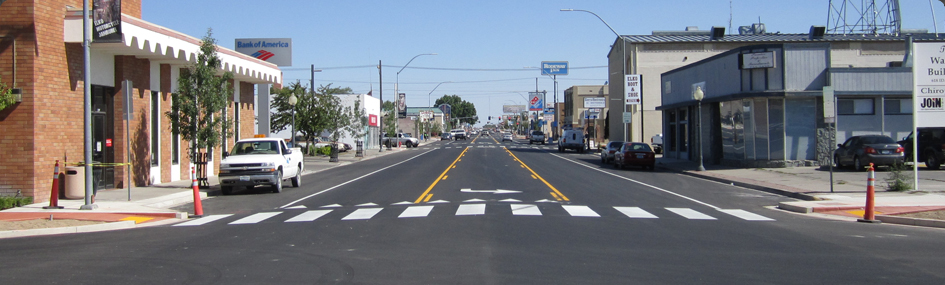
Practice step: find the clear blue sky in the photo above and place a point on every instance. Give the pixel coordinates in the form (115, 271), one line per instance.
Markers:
(483, 46)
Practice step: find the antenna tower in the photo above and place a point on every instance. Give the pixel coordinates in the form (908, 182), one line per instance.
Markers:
(864, 17)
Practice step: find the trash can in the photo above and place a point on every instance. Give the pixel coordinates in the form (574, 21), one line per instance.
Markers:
(75, 182)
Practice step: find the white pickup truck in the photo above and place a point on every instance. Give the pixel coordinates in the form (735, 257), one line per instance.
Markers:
(260, 161)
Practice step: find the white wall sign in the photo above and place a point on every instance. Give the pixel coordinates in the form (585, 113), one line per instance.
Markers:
(758, 60)
(633, 89)
(276, 51)
(595, 102)
(929, 84)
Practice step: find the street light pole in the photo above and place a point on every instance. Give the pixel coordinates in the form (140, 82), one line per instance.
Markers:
(698, 94)
(430, 96)
(292, 101)
(397, 86)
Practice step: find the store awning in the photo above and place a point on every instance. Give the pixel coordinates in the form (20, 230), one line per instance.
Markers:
(143, 39)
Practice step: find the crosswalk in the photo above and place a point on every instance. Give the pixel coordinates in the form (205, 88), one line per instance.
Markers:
(371, 211)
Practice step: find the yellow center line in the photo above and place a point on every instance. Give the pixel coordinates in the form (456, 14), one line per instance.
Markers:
(424, 195)
(561, 195)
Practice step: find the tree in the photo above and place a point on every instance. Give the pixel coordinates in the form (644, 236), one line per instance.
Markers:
(459, 108)
(6, 97)
(281, 119)
(388, 109)
(314, 113)
(200, 98)
(356, 127)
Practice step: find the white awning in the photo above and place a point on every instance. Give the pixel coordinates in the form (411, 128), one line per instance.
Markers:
(143, 39)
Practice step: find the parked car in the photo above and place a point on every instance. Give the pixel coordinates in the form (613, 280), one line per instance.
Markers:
(638, 154)
(507, 137)
(607, 154)
(571, 139)
(657, 142)
(931, 144)
(860, 151)
(401, 139)
(537, 136)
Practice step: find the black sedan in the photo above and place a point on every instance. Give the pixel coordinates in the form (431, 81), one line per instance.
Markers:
(860, 151)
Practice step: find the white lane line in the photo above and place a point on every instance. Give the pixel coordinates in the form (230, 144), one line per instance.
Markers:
(471, 210)
(362, 214)
(366, 205)
(636, 213)
(255, 218)
(597, 168)
(353, 180)
(746, 215)
(580, 211)
(525, 210)
(308, 216)
(690, 214)
(203, 220)
(416, 212)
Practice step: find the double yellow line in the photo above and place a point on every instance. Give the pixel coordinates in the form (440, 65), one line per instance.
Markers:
(555, 193)
(425, 197)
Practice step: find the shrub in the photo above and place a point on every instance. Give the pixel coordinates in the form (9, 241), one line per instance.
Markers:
(10, 202)
(326, 150)
(897, 181)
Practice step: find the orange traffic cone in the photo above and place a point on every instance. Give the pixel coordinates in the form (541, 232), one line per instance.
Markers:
(54, 193)
(198, 207)
(868, 212)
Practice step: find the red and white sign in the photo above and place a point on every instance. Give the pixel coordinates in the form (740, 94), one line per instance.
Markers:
(108, 142)
(372, 120)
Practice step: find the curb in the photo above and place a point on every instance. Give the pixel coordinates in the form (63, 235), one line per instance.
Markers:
(69, 230)
(911, 221)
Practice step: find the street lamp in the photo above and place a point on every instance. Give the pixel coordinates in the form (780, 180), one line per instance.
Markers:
(698, 94)
(430, 96)
(397, 85)
(623, 68)
(292, 101)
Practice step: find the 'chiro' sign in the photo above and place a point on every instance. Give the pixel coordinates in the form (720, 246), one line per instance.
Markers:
(928, 91)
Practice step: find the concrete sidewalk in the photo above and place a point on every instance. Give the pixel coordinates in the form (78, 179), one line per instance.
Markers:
(152, 205)
(812, 185)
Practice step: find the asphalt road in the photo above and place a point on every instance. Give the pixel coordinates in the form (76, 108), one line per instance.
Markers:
(487, 212)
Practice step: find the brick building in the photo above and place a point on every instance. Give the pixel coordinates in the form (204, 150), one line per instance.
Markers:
(41, 53)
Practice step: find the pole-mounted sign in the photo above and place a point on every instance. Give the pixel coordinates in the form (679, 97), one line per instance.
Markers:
(554, 68)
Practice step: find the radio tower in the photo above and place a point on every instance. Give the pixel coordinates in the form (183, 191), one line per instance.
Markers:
(864, 17)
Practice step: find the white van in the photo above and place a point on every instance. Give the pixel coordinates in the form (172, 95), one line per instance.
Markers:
(571, 139)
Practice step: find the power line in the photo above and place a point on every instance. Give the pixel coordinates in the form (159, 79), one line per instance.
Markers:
(433, 68)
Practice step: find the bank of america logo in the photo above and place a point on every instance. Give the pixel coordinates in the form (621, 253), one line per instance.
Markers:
(262, 54)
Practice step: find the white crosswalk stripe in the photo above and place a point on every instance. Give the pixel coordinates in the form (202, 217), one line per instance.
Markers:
(362, 214)
(416, 212)
(636, 212)
(745, 215)
(308, 216)
(690, 214)
(202, 221)
(478, 208)
(255, 218)
(525, 210)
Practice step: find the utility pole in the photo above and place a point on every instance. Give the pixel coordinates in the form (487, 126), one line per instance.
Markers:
(380, 135)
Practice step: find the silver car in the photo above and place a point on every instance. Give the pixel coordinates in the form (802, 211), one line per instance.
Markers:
(507, 137)
(607, 154)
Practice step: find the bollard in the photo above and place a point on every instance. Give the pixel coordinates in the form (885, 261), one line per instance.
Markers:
(54, 193)
(868, 212)
(198, 207)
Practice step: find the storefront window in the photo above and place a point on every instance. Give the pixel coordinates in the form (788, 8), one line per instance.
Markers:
(155, 131)
(776, 128)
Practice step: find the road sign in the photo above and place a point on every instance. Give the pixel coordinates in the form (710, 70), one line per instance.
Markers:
(627, 117)
(554, 68)
(633, 89)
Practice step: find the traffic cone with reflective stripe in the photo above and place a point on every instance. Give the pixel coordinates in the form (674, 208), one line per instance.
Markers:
(198, 207)
(54, 193)
(868, 212)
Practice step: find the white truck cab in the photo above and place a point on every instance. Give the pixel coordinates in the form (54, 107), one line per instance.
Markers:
(260, 161)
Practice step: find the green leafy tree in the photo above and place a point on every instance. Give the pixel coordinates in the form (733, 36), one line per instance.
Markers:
(459, 108)
(281, 119)
(200, 98)
(356, 128)
(388, 108)
(314, 113)
(6, 96)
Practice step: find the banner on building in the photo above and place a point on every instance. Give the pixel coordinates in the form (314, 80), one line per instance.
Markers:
(372, 120)
(277, 51)
(633, 89)
(929, 84)
(106, 21)
(595, 102)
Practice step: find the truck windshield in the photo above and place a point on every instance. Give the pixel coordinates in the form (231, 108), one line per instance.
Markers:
(257, 147)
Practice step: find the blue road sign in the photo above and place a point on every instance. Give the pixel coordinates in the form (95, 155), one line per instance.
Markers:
(554, 68)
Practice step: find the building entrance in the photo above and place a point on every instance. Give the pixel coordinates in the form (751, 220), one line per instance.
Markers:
(103, 134)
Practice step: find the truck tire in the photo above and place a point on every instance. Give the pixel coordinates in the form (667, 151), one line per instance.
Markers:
(226, 190)
(931, 161)
(277, 188)
(297, 180)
